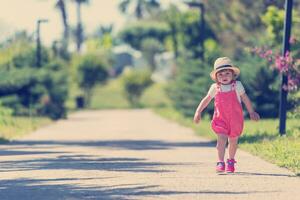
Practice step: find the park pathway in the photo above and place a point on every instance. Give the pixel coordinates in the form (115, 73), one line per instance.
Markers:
(130, 154)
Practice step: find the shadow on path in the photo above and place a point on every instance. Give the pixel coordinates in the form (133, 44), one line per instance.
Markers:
(118, 144)
(20, 152)
(56, 189)
(83, 162)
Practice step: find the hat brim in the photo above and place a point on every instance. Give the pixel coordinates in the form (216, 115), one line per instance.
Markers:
(233, 68)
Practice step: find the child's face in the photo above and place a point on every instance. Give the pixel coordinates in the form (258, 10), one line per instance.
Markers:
(225, 76)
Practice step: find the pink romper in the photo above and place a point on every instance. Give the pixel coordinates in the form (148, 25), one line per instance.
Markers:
(228, 116)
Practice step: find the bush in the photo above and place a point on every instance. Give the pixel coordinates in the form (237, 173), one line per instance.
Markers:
(190, 86)
(262, 85)
(92, 70)
(56, 84)
(135, 82)
(35, 91)
(21, 88)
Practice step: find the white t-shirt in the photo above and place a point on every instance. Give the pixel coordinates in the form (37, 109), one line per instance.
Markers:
(226, 88)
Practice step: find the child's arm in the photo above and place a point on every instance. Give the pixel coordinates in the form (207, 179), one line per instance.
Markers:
(202, 105)
(253, 115)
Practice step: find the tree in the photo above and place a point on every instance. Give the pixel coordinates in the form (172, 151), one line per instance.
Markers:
(239, 25)
(175, 19)
(79, 29)
(135, 33)
(274, 19)
(61, 6)
(102, 30)
(141, 7)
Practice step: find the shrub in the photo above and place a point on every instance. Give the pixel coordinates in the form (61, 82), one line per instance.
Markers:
(56, 84)
(92, 70)
(191, 84)
(135, 82)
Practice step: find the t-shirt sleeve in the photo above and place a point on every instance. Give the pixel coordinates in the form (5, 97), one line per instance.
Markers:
(240, 88)
(212, 91)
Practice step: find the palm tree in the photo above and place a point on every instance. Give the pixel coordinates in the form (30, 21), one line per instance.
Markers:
(61, 6)
(141, 7)
(79, 29)
(102, 30)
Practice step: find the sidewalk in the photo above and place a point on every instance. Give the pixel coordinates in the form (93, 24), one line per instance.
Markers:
(130, 154)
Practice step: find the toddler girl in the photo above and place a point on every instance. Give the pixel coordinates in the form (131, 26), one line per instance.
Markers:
(228, 118)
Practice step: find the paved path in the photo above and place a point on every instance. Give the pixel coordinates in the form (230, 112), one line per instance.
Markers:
(134, 154)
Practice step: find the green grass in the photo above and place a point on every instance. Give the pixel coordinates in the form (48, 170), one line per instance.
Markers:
(109, 96)
(19, 126)
(259, 138)
(155, 96)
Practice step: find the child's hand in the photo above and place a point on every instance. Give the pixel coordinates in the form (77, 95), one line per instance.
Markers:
(197, 117)
(254, 116)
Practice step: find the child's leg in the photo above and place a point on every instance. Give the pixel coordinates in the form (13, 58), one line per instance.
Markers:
(221, 145)
(233, 145)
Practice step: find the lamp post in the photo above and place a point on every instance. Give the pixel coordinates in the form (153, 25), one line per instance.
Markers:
(201, 25)
(284, 81)
(38, 42)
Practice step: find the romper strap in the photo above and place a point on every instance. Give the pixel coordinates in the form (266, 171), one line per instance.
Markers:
(233, 85)
(218, 87)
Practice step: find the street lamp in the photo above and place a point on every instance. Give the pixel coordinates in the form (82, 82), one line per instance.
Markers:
(286, 48)
(38, 42)
(202, 23)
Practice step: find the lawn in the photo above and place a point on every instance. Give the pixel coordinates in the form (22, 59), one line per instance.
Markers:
(18, 126)
(111, 96)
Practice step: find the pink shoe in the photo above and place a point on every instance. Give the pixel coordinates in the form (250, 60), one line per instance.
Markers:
(230, 165)
(220, 167)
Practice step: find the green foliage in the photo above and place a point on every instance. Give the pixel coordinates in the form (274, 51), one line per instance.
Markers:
(5, 115)
(274, 19)
(25, 86)
(175, 19)
(135, 82)
(261, 83)
(192, 29)
(92, 70)
(22, 89)
(95, 44)
(294, 99)
(56, 84)
(191, 84)
(238, 23)
(16, 79)
(136, 32)
(151, 47)
(30, 90)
